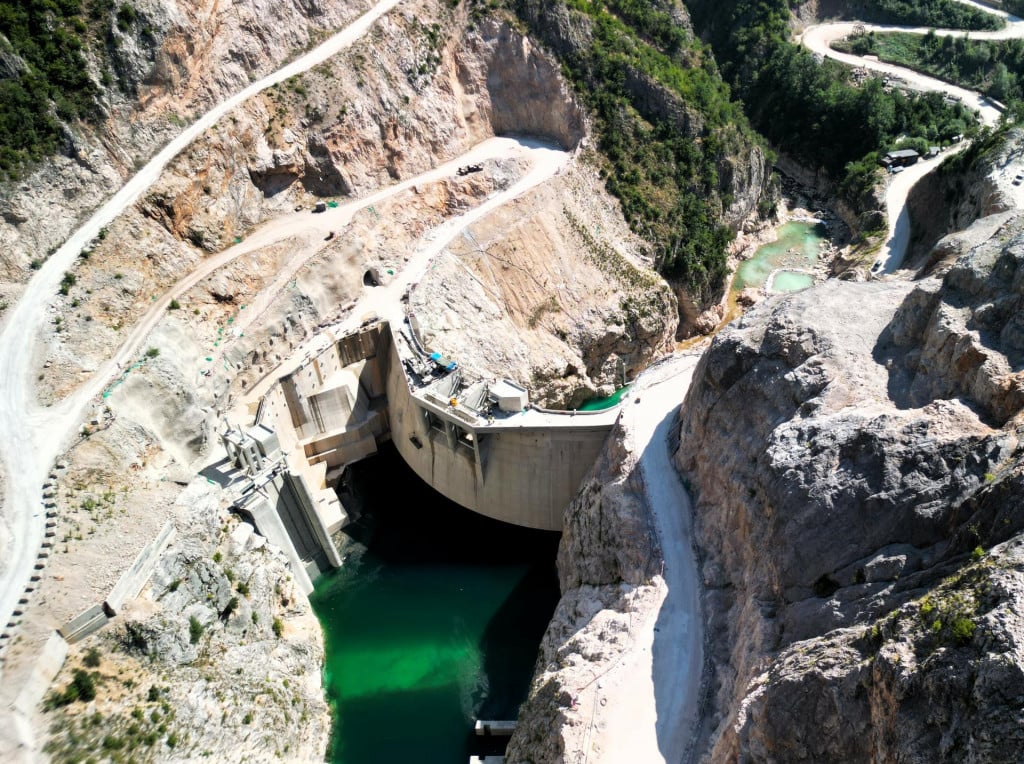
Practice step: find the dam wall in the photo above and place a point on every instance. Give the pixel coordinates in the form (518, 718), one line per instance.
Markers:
(477, 442)
(520, 467)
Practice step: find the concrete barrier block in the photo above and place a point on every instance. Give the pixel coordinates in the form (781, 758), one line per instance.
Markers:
(43, 673)
(84, 624)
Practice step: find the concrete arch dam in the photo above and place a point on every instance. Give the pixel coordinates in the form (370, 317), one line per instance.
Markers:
(477, 442)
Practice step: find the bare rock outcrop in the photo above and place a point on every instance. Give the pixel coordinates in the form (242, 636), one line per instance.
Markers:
(853, 449)
(532, 294)
(219, 658)
(974, 184)
(609, 566)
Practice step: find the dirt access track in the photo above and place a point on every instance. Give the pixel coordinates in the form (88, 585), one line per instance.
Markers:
(32, 437)
(819, 38)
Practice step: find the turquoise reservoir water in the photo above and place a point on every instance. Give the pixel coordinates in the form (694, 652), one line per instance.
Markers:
(797, 247)
(434, 620)
(598, 404)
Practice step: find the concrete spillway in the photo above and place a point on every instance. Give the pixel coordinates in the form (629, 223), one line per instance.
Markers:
(477, 442)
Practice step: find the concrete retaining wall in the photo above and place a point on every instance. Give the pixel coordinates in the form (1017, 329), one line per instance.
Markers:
(133, 579)
(80, 627)
(128, 587)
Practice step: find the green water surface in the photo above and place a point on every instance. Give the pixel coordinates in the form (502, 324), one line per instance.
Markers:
(599, 404)
(433, 621)
(796, 247)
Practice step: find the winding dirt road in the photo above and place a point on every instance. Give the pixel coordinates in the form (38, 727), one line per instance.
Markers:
(32, 437)
(819, 38)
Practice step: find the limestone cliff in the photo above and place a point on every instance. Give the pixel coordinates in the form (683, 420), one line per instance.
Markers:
(219, 658)
(853, 449)
(973, 184)
(609, 563)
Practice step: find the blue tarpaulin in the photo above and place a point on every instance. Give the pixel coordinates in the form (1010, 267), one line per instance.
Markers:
(443, 362)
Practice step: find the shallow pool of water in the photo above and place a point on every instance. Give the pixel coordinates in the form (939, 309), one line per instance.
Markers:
(599, 404)
(791, 281)
(433, 621)
(797, 247)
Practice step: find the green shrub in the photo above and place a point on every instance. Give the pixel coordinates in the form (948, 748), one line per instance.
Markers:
(963, 630)
(92, 657)
(82, 687)
(152, 352)
(195, 629)
(278, 627)
(67, 282)
(173, 305)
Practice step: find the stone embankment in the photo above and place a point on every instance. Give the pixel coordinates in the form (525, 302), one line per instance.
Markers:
(855, 457)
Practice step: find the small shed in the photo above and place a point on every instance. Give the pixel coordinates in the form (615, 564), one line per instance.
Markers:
(510, 396)
(901, 158)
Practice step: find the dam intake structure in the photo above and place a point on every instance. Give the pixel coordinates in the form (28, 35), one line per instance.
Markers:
(478, 442)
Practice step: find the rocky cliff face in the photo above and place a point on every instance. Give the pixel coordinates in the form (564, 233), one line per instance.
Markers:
(969, 186)
(171, 62)
(852, 449)
(219, 658)
(609, 563)
(729, 193)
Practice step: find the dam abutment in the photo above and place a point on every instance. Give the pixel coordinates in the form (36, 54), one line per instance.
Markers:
(478, 442)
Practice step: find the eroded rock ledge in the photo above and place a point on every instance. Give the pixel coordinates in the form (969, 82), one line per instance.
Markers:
(854, 451)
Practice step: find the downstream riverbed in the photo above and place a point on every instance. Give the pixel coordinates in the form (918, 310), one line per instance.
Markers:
(434, 620)
(791, 258)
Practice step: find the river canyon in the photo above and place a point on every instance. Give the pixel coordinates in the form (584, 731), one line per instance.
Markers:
(798, 541)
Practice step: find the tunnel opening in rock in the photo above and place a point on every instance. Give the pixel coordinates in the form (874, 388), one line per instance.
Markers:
(433, 621)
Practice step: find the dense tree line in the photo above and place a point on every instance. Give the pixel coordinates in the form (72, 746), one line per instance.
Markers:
(944, 14)
(811, 109)
(662, 160)
(995, 67)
